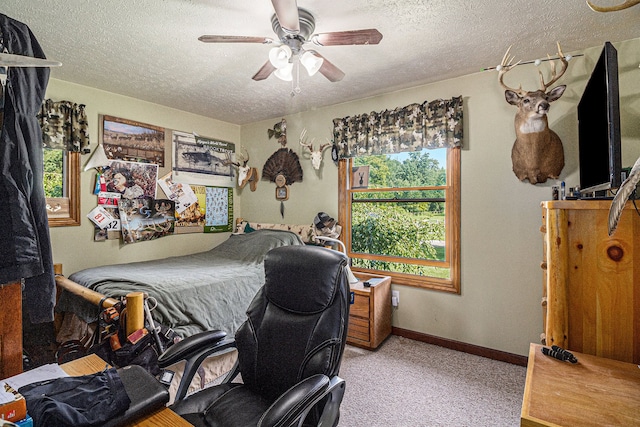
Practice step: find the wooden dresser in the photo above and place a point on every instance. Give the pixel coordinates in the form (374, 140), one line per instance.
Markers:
(370, 313)
(11, 329)
(591, 289)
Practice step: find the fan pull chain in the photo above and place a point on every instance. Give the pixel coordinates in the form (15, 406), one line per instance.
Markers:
(296, 89)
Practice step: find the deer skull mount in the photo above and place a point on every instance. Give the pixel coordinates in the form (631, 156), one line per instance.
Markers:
(537, 153)
(316, 156)
(246, 174)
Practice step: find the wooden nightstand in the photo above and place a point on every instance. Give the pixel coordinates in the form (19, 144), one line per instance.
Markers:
(370, 313)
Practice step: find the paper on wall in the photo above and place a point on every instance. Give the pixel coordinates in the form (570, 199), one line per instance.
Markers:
(100, 217)
(180, 193)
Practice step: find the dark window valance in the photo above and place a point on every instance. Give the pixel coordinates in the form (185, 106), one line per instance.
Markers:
(64, 126)
(435, 124)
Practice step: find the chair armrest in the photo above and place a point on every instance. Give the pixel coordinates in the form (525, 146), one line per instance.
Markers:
(296, 402)
(331, 411)
(194, 350)
(183, 349)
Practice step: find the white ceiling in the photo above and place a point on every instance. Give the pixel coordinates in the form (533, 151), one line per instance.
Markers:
(149, 49)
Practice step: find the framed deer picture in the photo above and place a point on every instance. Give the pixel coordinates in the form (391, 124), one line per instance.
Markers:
(360, 177)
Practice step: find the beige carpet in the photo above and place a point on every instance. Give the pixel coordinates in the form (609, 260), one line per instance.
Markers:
(406, 383)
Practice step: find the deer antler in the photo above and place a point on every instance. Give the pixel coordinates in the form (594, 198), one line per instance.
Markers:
(243, 158)
(504, 67)
(325, 146)
(228, 160)
(625, 5)
(554, 78)
(239, 157)
(302, 140)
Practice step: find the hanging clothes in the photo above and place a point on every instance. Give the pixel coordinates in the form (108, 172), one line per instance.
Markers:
(25, 246)
(1, 94)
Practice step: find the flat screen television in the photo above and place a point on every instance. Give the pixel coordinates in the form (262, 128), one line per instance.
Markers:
(599, 139)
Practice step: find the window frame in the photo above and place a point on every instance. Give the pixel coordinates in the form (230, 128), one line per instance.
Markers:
(69, 214)
(452, 219)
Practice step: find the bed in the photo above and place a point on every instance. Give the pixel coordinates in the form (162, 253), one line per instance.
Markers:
(194, 293)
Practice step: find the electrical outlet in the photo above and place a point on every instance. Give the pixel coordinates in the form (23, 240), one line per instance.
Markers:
(395, 298)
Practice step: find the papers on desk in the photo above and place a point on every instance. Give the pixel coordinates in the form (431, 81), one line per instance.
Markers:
(13, 407)
(41, 373)
(5, 396)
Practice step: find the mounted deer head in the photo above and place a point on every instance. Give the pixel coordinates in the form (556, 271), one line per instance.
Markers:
(316, 156)
(622, 6)
(537, 153)
(246, 174)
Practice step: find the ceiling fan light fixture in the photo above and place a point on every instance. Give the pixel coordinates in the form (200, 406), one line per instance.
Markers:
(285, 73)
(311, 62)
(279, 56)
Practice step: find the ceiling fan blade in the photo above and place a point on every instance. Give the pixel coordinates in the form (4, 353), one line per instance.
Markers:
(355, 37)
(11, 60)
(287, 13)
(264, 72)
(329, 70)
(234, 39)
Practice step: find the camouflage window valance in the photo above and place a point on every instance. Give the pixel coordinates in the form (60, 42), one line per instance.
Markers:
(435, 124)
(64, 126)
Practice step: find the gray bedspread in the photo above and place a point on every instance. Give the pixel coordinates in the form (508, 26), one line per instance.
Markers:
(203, 291)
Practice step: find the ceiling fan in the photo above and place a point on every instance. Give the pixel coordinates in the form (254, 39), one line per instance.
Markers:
(294, 27)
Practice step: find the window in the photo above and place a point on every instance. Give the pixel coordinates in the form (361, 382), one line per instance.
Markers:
(402, 217)
(62, 186)
(64, 137)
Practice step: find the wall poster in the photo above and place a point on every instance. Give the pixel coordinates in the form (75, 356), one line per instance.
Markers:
(132, 179)
(218, 208)
(132, 141)
(146, 219)
(200, 160)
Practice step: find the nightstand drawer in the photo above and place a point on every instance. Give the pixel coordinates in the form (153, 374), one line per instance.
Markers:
(360, 306)
(358, 329)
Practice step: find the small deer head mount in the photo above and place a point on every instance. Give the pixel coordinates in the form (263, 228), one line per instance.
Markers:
(316, 156)
(537, 153)
(246, 174)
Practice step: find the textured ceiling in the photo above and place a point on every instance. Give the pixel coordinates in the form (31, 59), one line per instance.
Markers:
(149, 49)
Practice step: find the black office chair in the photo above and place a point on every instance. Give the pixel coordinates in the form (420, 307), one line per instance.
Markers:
(289, 348)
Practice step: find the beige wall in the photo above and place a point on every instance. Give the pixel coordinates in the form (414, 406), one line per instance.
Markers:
(74, 246)
(499, 306)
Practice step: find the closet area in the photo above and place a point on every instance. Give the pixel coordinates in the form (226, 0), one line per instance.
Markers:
(10, 293)
(26, 268)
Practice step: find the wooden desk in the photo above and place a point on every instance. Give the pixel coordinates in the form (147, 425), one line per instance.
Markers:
(593, 392)
(162, 417)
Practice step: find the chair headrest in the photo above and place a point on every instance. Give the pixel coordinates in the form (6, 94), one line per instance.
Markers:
(303, 279)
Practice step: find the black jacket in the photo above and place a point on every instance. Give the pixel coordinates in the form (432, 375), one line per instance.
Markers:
(25, 247)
